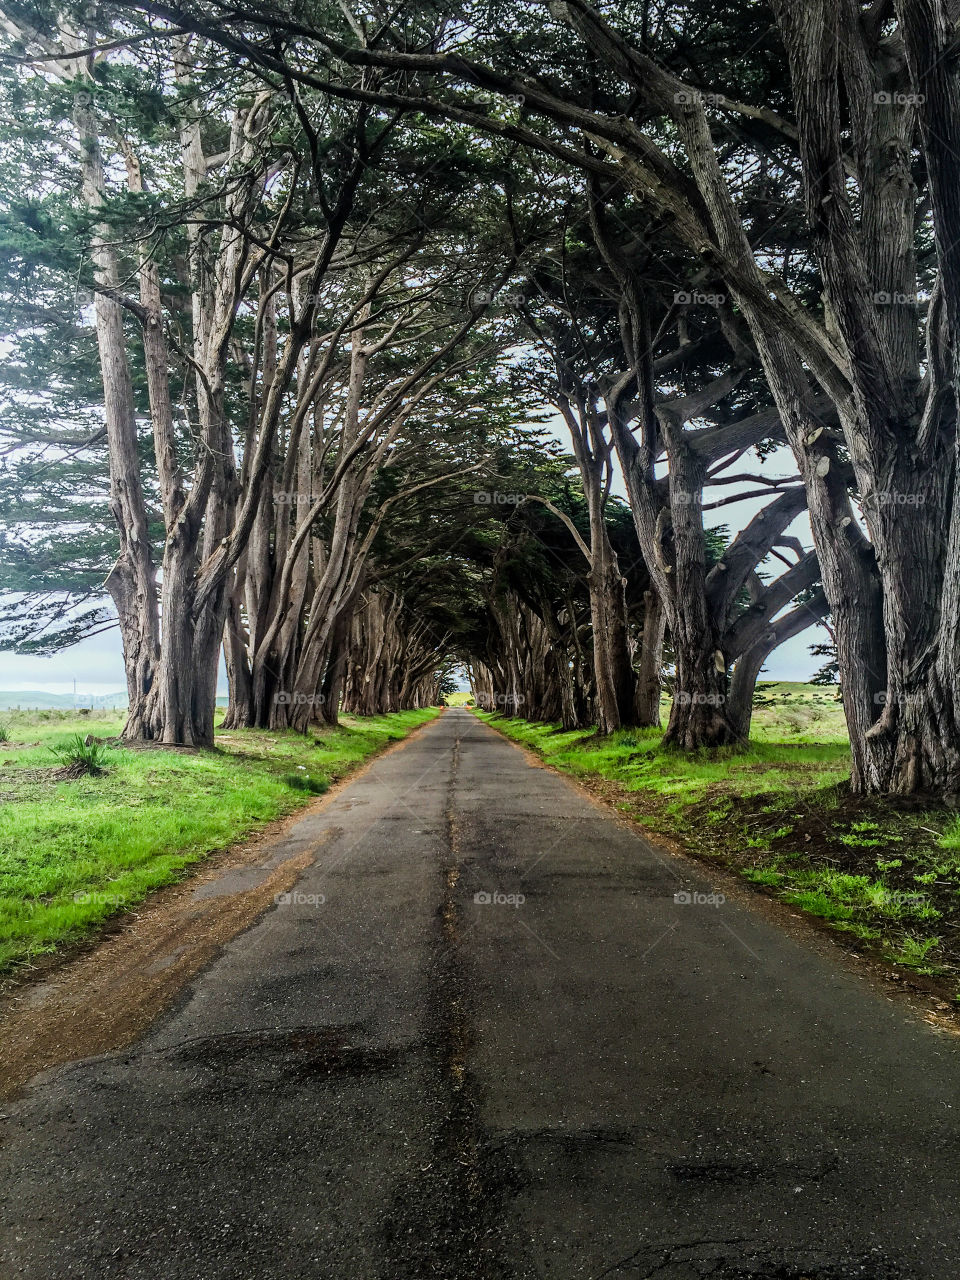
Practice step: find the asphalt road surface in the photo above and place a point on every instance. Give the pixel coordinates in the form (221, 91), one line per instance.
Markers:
(483, 1041)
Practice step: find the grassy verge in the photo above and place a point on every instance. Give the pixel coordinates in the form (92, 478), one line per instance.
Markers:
(75, 850)
(885, 875)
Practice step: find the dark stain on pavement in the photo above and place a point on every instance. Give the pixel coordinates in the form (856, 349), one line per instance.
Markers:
(726, 1171)
(742, 1259)
(449, 1222)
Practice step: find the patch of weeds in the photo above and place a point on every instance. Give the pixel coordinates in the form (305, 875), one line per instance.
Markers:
(766, 838)
(720, 812)
(863, 835)
(763, 875)
(675, 810)
(912, 953)
(818, 903)
(859, 930)
(838, 895)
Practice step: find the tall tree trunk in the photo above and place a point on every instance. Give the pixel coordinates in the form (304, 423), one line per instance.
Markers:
(239, 680)
(649, 686)
(333, 679)
(132, 580)
(926, 755)
(611, 653)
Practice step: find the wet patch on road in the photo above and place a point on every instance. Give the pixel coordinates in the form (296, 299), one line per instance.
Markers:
(300, 1052)
(741, 1259)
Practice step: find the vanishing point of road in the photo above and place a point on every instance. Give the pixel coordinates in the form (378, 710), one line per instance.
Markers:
(481, 1039)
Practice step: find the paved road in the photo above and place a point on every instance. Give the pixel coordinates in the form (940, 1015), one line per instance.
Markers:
(387, 1078)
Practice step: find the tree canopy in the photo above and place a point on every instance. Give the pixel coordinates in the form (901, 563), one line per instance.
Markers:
(289, 292)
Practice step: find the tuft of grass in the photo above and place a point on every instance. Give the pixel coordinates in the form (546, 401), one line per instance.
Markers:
(74, 853)
(4, 733)
(80, 756)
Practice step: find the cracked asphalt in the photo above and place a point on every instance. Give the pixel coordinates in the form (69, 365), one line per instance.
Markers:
(482, 1041)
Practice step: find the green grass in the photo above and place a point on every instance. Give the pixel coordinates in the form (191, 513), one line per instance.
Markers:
(74, 852)
(777, 812)
(632, 757)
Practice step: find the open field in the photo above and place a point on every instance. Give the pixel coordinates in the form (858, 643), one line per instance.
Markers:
(459, 699)
(885, 875)
(77, 850)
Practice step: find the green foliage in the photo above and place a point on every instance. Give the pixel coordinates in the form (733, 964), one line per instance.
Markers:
(829, 673)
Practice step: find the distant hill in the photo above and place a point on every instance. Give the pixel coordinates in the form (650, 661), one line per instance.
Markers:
(36, 700)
